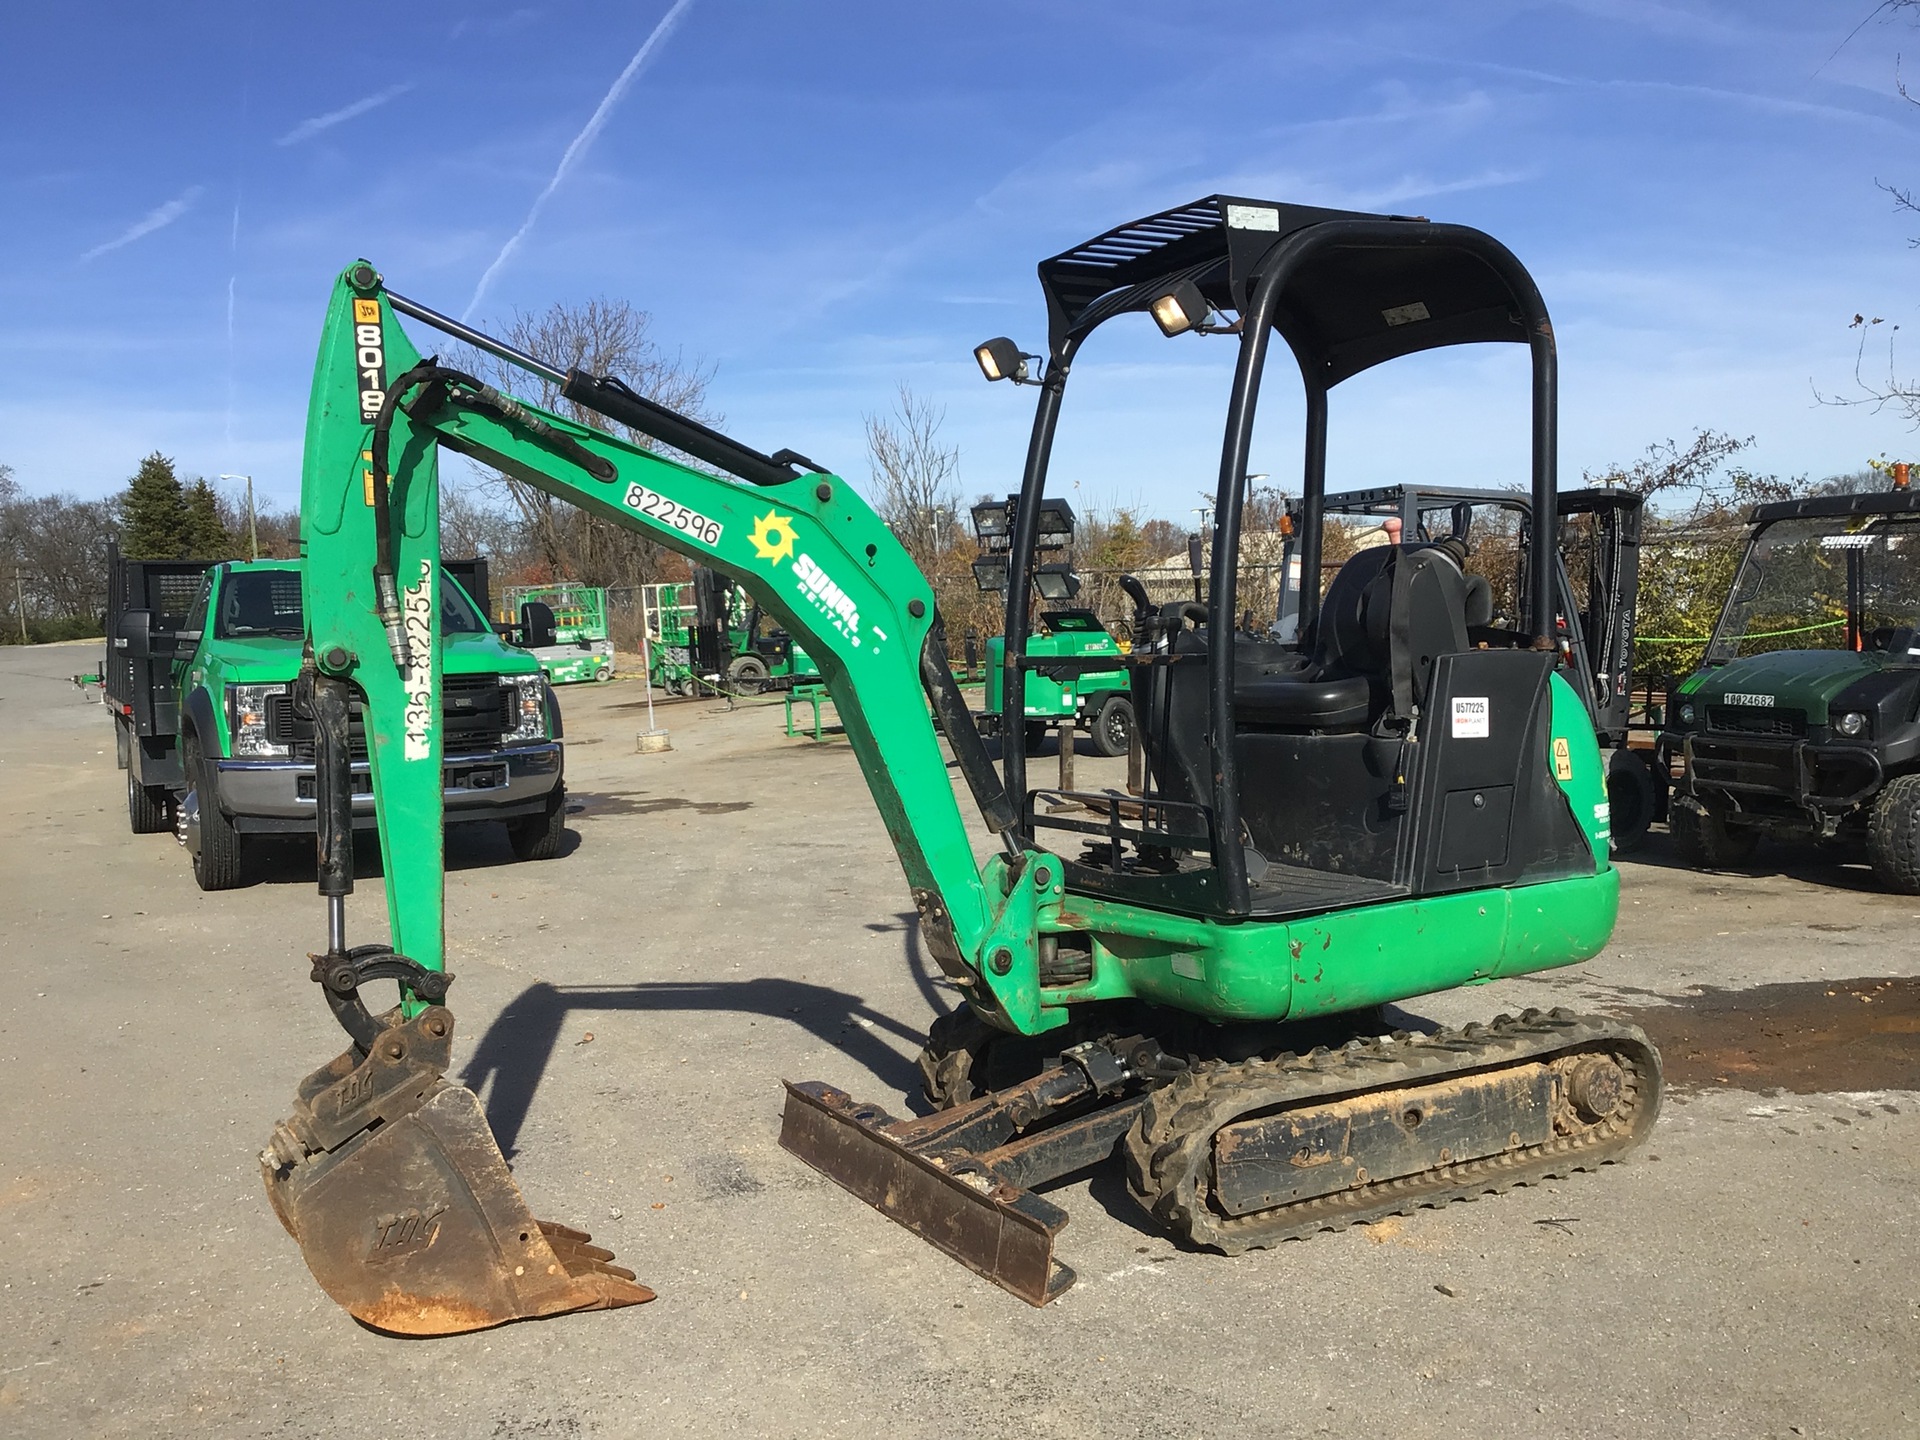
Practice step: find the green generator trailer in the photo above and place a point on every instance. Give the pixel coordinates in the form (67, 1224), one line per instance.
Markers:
(1068, 698)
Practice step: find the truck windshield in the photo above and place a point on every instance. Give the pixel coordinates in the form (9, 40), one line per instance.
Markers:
(1844, 582)
(267, 602)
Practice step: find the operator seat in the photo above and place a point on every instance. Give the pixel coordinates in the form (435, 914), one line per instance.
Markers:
(1389, 613)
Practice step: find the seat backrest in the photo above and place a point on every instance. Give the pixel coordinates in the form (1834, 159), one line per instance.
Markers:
(1389, 613)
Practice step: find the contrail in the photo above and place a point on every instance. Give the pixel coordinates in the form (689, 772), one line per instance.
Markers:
(307, 129)
(156, 219)
(580, 144)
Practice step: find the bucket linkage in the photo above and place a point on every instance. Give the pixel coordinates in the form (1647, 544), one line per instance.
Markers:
(387, 1174)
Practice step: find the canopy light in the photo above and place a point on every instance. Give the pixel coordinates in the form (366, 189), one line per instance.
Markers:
(1001, 359)
(990, 573)
(1056, 581)
(1181, 309)
(1056, 520)
(992, 519)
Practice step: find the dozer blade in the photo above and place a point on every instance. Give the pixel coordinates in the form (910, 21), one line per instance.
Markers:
(390, 1180)
(956, 1178)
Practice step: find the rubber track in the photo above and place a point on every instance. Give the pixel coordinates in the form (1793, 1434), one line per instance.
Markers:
(1169, 1150)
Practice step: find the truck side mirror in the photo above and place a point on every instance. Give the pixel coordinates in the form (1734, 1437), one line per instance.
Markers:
(135, 639)
(537, 628)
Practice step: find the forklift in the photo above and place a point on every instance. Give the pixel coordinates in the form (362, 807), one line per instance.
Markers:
(1193, 980)
(1596, 581)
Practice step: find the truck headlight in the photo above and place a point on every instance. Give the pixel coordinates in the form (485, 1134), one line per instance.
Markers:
(1686, 714)
(526, 708)
(1850, 724)
(247, 717)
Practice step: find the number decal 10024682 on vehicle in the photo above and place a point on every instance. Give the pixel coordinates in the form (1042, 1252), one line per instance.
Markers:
(673, 513)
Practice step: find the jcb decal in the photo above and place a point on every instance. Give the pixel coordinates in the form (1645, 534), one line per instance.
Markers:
(369, 358)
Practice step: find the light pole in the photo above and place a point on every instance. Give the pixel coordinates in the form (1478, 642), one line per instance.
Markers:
(253, 530)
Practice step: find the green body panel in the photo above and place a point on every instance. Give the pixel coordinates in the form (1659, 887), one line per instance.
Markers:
(1804, 680)
(1345, 959)
(1047, 698)
(829, 569)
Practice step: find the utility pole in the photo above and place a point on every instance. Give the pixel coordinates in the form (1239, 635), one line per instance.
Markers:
(20, 599)
(253, 530)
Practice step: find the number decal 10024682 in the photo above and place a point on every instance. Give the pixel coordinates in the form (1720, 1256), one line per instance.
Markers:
(673, 514)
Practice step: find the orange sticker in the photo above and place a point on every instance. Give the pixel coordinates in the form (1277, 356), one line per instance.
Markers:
(366, 312)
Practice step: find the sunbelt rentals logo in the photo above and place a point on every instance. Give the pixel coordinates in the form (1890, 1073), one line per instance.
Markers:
(774, 539)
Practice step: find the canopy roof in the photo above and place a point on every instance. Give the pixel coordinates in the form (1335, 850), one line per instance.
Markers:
(1346, 308)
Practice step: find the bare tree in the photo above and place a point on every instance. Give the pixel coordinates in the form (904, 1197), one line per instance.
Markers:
(605, 337)
(915, 478)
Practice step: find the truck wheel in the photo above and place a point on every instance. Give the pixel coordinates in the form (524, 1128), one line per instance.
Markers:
(220, 861)
(1893, 836)
(1036, 734)
(146, 807)
(538, 837)
(1632, 798)
(1703, 840)
(1113, 726)
(747, 675)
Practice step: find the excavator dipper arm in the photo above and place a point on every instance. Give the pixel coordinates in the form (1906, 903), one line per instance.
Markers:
(387, 1173)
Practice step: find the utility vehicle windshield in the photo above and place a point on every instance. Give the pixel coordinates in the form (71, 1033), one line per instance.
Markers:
(267, 602)
(1830, 583)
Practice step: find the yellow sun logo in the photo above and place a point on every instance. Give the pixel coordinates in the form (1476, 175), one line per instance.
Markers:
(773, 537)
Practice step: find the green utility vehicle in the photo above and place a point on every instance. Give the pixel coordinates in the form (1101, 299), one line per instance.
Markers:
(1596, 583)
(1099, 700)
(216, 731)
(582, 646)
(1381, 810)
(713, 635)
(1803, 721)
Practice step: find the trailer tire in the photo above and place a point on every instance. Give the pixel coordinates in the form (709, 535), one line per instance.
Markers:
(1703, 840)
(1893, 835)
(220, 862)
(1112, 728)
(1633, 798)
(539, 837)
(1035, 734)
(147, 807)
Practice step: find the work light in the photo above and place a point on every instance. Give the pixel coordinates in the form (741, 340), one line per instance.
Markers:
(1001, 359)
(1181, 309)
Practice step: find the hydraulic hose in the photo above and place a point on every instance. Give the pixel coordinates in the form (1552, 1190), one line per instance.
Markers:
(475, 391)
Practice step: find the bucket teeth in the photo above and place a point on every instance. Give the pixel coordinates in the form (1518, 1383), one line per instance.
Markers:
(389, 1178)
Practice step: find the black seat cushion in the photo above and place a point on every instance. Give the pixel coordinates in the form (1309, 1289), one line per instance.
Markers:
(1316, 704)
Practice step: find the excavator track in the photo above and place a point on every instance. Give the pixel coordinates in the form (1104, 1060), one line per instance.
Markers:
(1241, 1156)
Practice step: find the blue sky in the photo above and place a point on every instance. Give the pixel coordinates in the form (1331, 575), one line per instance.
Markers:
(825, 201)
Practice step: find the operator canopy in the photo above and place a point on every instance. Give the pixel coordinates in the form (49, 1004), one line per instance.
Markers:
(1347, 307)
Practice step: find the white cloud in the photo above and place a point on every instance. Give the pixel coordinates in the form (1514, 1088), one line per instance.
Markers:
(307, 129)
(158, 218)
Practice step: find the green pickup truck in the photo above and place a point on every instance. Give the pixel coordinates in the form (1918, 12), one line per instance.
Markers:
(201, 692)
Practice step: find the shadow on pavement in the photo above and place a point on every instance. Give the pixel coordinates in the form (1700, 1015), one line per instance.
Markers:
(516, 1049)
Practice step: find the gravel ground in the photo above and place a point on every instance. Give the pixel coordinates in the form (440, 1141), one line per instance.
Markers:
(732, 914)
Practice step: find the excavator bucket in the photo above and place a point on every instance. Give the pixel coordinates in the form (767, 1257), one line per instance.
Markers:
(389, 1178)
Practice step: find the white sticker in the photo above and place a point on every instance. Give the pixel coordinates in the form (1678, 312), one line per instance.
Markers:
(416, 614)
(1470, 717)
(1187, 965)
(1406, 314)
(1603, 811)
(1253, 217)
(672, 513)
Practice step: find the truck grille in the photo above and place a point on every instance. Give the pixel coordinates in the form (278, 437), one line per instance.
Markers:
(1740, 720)
(474, 710)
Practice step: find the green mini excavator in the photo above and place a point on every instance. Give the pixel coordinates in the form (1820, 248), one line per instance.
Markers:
(1192, 975)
